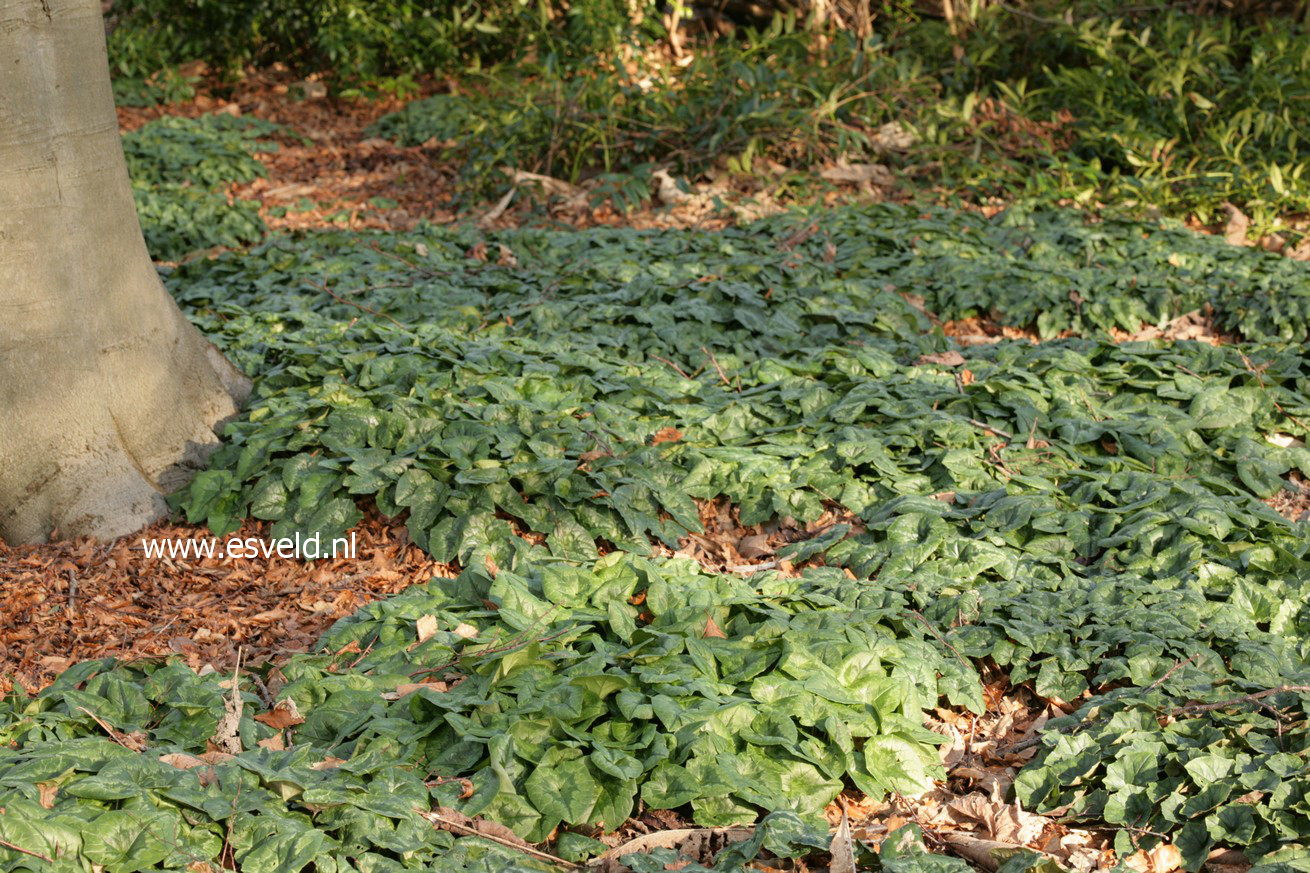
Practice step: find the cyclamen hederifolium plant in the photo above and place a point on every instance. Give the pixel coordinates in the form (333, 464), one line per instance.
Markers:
(1087, 516)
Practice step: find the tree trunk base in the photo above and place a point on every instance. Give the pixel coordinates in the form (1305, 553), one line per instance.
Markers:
(109, 397)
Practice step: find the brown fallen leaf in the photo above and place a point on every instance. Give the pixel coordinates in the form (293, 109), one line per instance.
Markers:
(712, 630)
(183, 761)
(426, 627)
(227, 735)
(406, 688)
(842, 848)
(1237, 225)
(328, 763)
(48, 791)
(666, 435)
(283, 715)
(1164, 858)
(754, 546)
(686, 840)
(946, 359)
(987, 854)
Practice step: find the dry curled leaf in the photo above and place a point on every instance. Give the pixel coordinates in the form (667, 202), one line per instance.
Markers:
(712, 630)
(328, 763)
(407, 688)
(1164, 858)
(842, 848)
(1284, 441)
(426, 627)
(47, 790)
(283, 715)
(946, 359)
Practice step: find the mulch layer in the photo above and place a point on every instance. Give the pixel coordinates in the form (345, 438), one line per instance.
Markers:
(76, 600)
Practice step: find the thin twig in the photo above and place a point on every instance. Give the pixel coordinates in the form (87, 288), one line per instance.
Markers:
(231, 824)
(919, 615)
(363, 654)
(408, 263)
(1158, 682)
(1244, 699)
(681, 372)
(361, 307)
(715, 362)
(987, 427)
(1187, 708)
(17, 848)
(509, 844)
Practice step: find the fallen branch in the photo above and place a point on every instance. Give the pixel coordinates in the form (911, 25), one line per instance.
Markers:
(1254, 699)
(1244, 700)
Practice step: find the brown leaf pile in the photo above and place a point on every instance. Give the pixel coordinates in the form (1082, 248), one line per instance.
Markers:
(726, 545)
(967, 815)
(330, 180)
(72, 601)
(1293, 504)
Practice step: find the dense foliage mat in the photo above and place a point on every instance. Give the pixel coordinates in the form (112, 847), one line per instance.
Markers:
(559, 700)
(548, 408)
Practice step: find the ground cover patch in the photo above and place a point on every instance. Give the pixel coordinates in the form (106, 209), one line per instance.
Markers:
(181, 169)
(554, 410)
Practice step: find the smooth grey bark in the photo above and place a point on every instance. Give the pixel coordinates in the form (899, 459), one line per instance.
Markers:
(109, 397)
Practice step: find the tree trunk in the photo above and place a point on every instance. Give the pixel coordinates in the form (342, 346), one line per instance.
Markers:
(109, 397)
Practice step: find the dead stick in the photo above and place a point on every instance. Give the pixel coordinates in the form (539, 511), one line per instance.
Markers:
(715, 362)
(1246, 698)
(1250, 699)
(919, 615)
(9, 845)
(359, 306)
(987, 427)
(675, 367)
(509, 844)
(1158, 682)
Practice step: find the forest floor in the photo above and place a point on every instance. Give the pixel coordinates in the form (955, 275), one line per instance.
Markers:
(714, 430)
